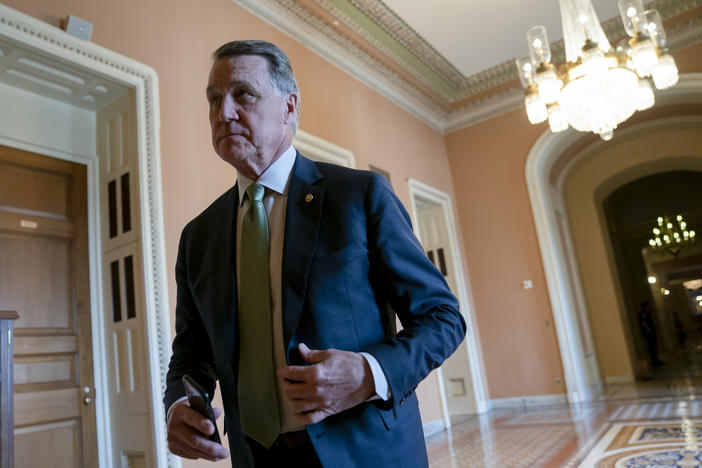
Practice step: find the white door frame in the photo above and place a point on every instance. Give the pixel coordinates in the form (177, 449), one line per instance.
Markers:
(34, 34)
(546, 198)
(419, 189)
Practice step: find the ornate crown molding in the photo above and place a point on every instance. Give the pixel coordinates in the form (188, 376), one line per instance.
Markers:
(346, 50)
(396, 27)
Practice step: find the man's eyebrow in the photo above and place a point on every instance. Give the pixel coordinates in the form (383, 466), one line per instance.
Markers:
(232, 84)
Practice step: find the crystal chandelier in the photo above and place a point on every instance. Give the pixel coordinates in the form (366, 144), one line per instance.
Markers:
(671, 236)
(599, 86)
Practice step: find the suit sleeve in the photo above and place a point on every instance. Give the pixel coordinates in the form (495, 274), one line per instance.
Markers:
(418, 293)
(192, 353)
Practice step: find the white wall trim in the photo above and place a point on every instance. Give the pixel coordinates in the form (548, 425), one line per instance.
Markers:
(35, 34)
(465, 298)
(433, 427)
(322, 150)
(545, 199)
(529, 401)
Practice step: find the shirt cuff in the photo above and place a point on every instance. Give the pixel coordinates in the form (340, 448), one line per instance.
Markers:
(173, 405)
(382, 389)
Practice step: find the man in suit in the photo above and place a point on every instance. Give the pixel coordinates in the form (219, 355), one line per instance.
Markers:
(284, 284)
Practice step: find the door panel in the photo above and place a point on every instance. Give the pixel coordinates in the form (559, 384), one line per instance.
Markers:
(44, 276)
(44, 265)
(59, 445)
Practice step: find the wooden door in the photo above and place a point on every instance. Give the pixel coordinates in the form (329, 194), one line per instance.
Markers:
(44, 276)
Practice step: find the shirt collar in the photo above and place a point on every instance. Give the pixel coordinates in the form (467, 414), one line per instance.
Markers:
(274, 178)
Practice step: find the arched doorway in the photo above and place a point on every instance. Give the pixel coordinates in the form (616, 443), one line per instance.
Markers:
(555, 162)
(659, 314)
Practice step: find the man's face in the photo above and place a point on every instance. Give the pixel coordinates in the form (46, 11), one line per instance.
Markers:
(250, 121)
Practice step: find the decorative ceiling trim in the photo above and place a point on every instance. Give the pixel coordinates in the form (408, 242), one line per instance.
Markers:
(486, 109)
(346, 50)
(313, 33)
(443, 90)
(398, 29)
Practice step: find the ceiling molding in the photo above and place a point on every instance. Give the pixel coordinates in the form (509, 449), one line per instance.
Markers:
(297, 22)
(375, 61)
(486, 109)
(398, 29)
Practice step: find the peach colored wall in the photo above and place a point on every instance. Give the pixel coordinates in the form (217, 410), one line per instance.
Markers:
(519, 347)
(176, 38)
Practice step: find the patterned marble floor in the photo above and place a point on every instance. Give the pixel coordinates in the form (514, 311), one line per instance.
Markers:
(656, 423)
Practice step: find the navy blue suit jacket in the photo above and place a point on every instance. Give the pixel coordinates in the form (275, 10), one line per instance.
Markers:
(349, 253)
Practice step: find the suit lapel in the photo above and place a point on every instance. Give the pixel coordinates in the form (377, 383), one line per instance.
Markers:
(223, 264)
(302, 218)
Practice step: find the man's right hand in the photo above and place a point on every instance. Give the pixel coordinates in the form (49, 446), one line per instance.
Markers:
(187, 434)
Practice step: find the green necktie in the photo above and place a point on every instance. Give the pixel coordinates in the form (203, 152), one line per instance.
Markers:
(258, 400)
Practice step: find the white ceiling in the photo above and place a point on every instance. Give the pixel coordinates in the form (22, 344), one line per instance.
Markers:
(476, 35)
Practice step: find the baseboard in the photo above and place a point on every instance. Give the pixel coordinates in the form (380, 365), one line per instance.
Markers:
(529, 401)
(618, 379)
(593, 390)
(433, 427)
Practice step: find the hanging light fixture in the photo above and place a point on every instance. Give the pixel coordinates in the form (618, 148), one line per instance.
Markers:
(671, 235)
(599, 86)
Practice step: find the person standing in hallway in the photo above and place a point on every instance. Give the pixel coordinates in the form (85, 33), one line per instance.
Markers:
(283, 286)
(648, 329)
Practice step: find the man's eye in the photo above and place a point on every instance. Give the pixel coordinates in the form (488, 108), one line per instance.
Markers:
(245, 94)
(213, 100)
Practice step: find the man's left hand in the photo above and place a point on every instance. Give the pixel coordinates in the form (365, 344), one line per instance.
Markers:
(335, 381)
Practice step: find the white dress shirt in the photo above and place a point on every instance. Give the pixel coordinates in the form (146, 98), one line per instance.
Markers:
(276, 180)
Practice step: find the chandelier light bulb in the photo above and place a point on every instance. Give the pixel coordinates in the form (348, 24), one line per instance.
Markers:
(652, 279)
(669, 225)
(644, 56)
(692, 234)
(557, 119)
(548, 84)
(645, 99)
(535, 108)
(652, 243)
(539, 48)
(665, 73)
(629, 11)
(526, 71)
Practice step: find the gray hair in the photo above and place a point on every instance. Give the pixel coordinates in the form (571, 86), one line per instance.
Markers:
(279, 68)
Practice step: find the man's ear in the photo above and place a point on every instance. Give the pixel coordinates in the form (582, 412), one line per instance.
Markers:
(292, 103)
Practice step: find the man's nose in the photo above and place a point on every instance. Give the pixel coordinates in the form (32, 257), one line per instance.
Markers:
(228, 111)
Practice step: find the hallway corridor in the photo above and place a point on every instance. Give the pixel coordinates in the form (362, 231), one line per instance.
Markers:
(643, 424)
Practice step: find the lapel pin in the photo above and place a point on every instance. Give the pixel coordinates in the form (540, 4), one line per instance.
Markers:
(308, 197)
